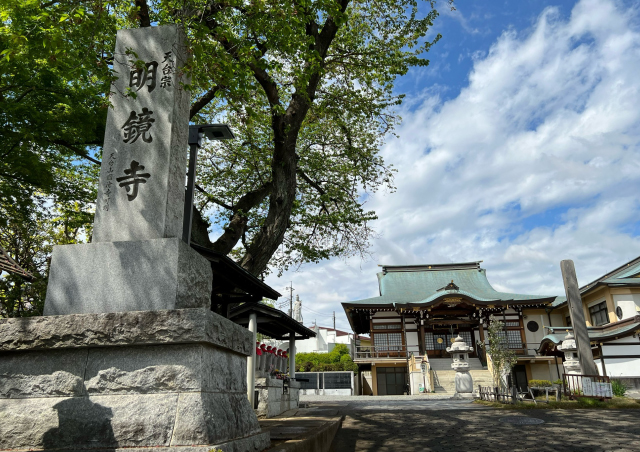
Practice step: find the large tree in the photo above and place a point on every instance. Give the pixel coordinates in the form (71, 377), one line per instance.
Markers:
(306, 85)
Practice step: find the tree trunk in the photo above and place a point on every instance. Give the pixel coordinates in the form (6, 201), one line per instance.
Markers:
(267, 241)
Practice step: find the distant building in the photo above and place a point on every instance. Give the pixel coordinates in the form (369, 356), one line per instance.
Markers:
(611, 306)
(422, 308)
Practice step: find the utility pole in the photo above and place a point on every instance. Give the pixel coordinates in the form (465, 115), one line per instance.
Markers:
(291, 299)
(334, 320)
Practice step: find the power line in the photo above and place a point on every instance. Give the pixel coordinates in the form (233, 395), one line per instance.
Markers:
(316, 312)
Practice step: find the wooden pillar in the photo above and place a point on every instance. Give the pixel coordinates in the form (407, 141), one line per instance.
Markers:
(251, 359)
(481, 331)
(421, 346)
(574, 301)
(604, 369)
(292, 355)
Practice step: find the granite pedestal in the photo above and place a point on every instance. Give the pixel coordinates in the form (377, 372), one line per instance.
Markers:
(153, 380)
(127, 276)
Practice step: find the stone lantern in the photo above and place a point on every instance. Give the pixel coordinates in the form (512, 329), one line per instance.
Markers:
(570, 350)
(571, 363)
(459, 351)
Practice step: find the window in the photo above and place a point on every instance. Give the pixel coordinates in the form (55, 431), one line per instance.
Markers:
(389, 326)
(466, 336)
(514, 340)
(533, 326)
(388, 341)
(428, 341)
(599, 314)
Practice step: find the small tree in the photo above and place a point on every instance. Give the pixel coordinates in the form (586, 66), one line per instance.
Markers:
(502, 357)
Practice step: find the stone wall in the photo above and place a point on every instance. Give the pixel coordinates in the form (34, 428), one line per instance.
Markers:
(272, 401)
(132, 379)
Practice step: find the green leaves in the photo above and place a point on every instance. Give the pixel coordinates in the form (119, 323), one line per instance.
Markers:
(502, 357)
(307, 86)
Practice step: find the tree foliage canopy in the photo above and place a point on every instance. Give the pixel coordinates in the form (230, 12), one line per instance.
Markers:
(337, 359)
(502, 357)
(307, 86)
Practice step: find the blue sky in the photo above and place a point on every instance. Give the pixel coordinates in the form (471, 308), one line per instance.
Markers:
(520, 146)
(467, 34)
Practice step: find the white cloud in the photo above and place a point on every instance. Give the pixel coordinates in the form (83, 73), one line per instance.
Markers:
(537, 160)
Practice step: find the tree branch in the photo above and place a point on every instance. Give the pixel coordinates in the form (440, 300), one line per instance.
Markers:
(79, 152)
(203, 101)
(143, 13)
(238, 221)
(213, 198)
(264, 79)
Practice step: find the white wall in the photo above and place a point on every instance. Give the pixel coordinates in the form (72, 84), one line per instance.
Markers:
(540, 317)
(621, 367)
(327, 392)
(629, 304)
(321, 343)
(545, 371)
(412, 342)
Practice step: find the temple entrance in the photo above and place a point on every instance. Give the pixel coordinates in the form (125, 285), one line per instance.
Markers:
(520, 374)
(437, 341)
(391, 380)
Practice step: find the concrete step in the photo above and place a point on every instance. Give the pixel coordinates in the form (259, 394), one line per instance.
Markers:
(445, 364)
(447, 380)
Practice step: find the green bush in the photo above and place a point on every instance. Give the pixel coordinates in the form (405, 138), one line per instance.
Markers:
(618, 388)
(539, 383)
(337, 360)
(558, 382)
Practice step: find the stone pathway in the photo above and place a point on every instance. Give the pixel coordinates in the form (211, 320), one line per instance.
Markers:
(404, 423)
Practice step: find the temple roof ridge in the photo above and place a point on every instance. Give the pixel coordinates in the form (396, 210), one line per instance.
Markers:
(431, 267)
(424, 284)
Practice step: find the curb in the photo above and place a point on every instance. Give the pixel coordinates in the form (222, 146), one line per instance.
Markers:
(319, 439)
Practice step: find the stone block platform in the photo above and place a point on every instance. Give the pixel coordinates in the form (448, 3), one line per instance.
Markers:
(272, 400)
(148, 380)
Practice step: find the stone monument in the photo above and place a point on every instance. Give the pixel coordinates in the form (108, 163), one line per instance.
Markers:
(459, 351)
(129, 354)
(576, 312)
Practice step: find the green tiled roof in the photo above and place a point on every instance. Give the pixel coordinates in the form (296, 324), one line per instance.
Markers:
(559, 301)
(557, 334)
(625, 281)
(623, 275)
(423, 284)
(630, 271)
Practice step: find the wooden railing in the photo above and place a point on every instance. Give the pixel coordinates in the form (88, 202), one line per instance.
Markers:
(392, 352)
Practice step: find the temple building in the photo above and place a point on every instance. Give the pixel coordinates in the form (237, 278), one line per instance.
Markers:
(611, 306)
(421, 309)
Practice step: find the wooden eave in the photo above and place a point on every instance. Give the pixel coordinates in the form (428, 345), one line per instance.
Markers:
(271, 322)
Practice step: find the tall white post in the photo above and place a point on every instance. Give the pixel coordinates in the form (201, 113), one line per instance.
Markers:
(292, 355)
(251, 359)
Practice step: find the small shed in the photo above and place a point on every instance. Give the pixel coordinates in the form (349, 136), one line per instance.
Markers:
(263, 319)
(232, 284)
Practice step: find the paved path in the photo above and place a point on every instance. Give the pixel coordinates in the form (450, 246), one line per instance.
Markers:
(429, 424)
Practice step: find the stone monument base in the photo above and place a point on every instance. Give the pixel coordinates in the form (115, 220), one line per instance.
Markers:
(143, 275)
(172, 380)
(464, 395)
(272, 401)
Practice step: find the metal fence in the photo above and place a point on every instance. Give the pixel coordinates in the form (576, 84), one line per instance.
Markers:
(325, 380)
